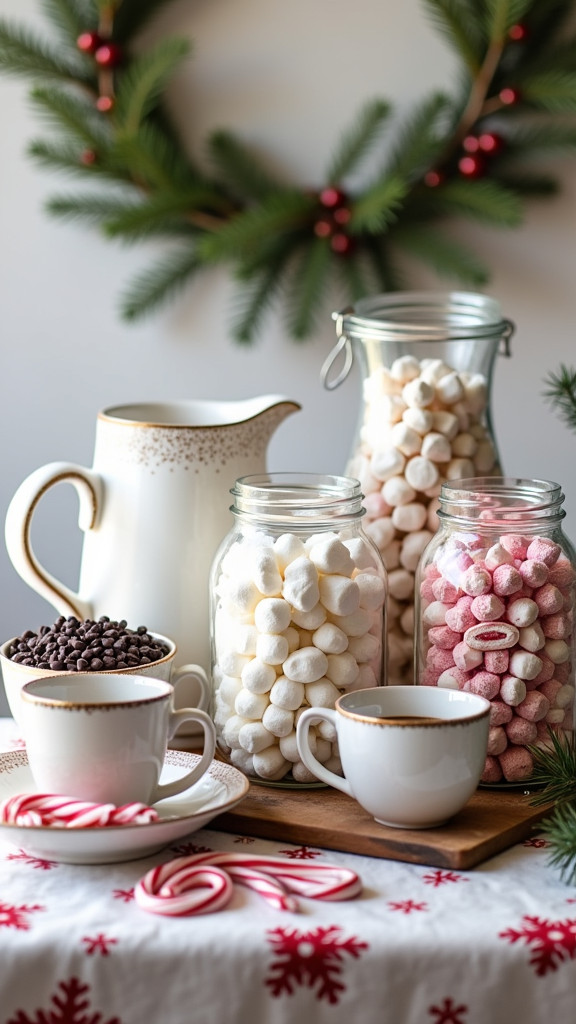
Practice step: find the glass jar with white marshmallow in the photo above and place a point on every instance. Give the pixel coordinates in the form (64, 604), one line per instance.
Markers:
(426, 362)
(298, 596)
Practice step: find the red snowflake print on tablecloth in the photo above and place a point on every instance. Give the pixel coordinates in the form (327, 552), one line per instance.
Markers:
(313, 959)
(440, 877)
(126, 895)
(407, 906)
(244, 840)
(552, 942)
(186, 849)
(301, 853)
(35, 862)
(448, 1012)
(69, 1006)
(98, 944)
(539, 844)
(17, 917)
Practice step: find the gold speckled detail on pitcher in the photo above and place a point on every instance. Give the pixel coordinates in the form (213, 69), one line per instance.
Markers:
(153, 446)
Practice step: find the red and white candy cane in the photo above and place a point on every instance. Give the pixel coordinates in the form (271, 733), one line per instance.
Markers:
(195, 884)
(66, 812)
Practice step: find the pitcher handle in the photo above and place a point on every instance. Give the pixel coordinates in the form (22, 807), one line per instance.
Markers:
(18, 529)
(308, 718)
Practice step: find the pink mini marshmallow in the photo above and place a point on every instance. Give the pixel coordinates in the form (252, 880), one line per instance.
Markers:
(516, 763)
(506, 580)
(376, 506)
(426, 590)
(492, 771)
(546, 672)
(562, 574)
(485, 684)
(534, 707)
(444, 637)
(487, 608)
(533, 573)
(497, 740)
(476, 581)
(500, 713)
(460, 616)
(515, 544)
(522, 612)
(549, 599)
(466, 658)
(439, 660)
(563, 673)
(496, 661)
(557, 627)
(512, 690)
(521, 731)
(550, 690)
(432, 571)
(544, 550)
(446, 591)
(453, 679)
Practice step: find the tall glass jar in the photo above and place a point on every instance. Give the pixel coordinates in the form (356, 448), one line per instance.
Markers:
(298, 595)
(495, 613)
(426, 362)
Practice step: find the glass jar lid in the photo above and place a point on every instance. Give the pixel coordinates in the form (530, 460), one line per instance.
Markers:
(303, 498)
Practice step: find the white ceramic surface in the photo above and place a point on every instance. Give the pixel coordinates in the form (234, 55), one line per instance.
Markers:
(406, 772)
(220, 789)
(191, 676)
(154, 507)
(103, 738)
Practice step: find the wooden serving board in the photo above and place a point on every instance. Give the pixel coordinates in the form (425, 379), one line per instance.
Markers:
(492, 821)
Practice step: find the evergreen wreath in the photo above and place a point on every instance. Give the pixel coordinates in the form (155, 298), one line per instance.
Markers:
(461, 155)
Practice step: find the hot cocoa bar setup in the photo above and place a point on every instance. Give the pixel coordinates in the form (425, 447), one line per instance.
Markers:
(403, 628)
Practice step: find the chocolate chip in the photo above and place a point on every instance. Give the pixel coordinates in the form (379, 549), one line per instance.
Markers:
(77, 646)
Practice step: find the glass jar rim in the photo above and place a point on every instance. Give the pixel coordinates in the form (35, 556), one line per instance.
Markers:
(503, 499)
(424, 316)
(298, 497)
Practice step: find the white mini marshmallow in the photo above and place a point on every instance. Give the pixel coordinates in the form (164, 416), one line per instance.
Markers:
(407, 620)
(361, 553)
(412, 547)
(255, 737)
(484, 457)
(242, 594)
(408, 518)
(380, 382)
(265, 572)
(476, 393)
(232, 663)
(228, 689)
(279, 721)
(522, 612)
(272, 615)
(512, 690)
(449, 389)
(381, 532)
(309, 620)
(525, 665)
(458, 468)
(400, 584)
(231, 731)
(391, 555)
(436, 447)
(250, 705)
(301, 584)
(464, 445)
(339, 595)
(287, 694)
(289, 747)
(405, 368)
(354, 625)
(242, 760)
(245, 638)
(287, 547)
(531, 638)
(565, 696)
(269, 764)
(397, 491)
(272, 648)
(432, 369)
(331, 556)
(293, 639)
(445, 423)
(365, 648)
(300, 773)
(257, 676)
(305, 665)
(365, 679)
(498, 555)
(326, 731)
(372, 590)
(460, 409)
(386, 462)
(557, 650)
(322, 693)
(448, 679)
(417, 393)
(466, 657)
(342, 669)
(421, 473)
(434, 614)
(405, 439)
(419, 419)
(330, 639)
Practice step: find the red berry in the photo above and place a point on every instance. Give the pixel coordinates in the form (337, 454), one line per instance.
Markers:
(331, 197)
(88, 157)
(88, 42)
(108, 55)
(490, 142)
(323, 228)
(104, 104)
(509, 97)
(342, 215)
(471, 166)
(471, 144)
(341, 243)
(518, 33)
(433, 179)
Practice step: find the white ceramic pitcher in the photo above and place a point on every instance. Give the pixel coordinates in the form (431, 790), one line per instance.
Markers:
(154, 508)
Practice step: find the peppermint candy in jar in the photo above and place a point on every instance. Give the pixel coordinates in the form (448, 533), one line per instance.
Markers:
(495, 614)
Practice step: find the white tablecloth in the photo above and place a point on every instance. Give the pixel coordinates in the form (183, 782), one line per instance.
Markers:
(421, 945)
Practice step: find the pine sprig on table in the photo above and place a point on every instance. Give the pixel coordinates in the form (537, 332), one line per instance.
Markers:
(460, 156)
(555, 771)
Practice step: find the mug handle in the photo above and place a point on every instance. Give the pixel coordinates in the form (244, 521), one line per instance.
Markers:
(179, 785)
(307, 718)
(197, 673)
(18, 527)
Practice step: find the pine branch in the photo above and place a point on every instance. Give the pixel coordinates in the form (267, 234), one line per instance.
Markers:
(421, 139)
(254, 298)
(157, 284)
(502, 14)
(306, 288)
(71, 17)
(143, 83)
(95, 208)
(72, 115)
(560, 830)
(446, 257)
(239, 170)
(354, 272)
(554, 91)
(378, 206)
(244, 233)
(151, 159)
(22, 53)
(132, 16)
(561, 394)
(485, 201)
(158, 214)
(555, 770)
(461, 22)
(357, 141)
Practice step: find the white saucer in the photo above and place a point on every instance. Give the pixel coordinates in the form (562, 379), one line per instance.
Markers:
(221, 788)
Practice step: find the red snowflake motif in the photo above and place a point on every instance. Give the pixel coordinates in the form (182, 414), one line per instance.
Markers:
(310, 958)
(15, 917)
(185, 849)
(17, 743)
(245, 840)
(440, 877)
(302, 853)
(99, 944)
(407, 906)
(538, 843)
(67, 1008)
(552, 941)
(570, 900)
(448, 1012)
(127, 895)
(35, 862)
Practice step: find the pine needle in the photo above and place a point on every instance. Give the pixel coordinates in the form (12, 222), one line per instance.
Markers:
(357, 141)
(157, 284)
(561, 394)
(555, 770)
(560, 830)
(143, 83)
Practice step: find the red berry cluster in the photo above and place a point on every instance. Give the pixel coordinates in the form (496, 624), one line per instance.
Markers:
(107, 55)
(334, 216)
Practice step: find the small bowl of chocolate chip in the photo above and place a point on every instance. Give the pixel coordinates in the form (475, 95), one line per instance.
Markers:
(83, 645)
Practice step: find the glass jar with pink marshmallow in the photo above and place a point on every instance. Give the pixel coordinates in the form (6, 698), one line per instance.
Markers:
(425, 361)
(495, 594)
